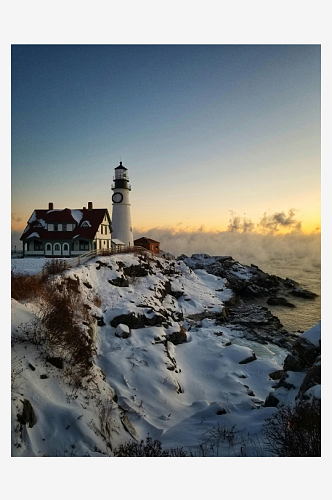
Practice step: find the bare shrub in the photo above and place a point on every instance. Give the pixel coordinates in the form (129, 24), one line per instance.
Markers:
(54, 266)
(97, 301)
(25, 286)
(33, 332)
(16, 382)
(295, 431)
(64, 316)
(106, 417)
(148, 449)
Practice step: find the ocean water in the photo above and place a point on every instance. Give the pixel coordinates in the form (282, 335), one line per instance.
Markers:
(307, 312)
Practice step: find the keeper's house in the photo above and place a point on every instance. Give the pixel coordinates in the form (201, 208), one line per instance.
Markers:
(66, 232)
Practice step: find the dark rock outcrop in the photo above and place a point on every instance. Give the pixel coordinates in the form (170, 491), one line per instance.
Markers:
(279, 301)
(179, 337)
(305, 294)
(138, 321)
(57, 362)
(258, 323)
(302, 357)
(312, 378)
(247, 281)
(276, 375)
(271, 400)
(137, 271)
(250, 285)
(28, 415)
(121, 281)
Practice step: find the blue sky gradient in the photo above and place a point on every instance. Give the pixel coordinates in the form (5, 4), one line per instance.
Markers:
(203, 129)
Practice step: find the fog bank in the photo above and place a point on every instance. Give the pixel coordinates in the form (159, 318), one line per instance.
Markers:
(246, 247)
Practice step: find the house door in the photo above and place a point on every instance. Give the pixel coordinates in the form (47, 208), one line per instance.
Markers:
(57, 249)
(48, 249)
(65, 249)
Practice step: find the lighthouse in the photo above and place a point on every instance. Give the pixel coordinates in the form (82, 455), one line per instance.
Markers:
(121, 218)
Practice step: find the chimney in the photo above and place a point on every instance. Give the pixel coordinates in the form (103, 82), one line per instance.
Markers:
(50, 206)
(90, 206)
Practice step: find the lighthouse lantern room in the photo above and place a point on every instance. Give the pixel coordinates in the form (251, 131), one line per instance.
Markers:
(121, 217)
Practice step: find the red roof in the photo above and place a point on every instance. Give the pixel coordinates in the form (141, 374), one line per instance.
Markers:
(40, 218)
(144, 239)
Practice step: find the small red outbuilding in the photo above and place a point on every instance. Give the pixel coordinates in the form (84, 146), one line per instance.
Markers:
(148, 243)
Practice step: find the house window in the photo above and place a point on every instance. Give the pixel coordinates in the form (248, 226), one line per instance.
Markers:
(38, 245)
(55, 227)
(48, 247)
(64, 227)
(57, 247)
(84, 245)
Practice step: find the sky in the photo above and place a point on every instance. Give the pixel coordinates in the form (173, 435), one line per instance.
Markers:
(215, 137)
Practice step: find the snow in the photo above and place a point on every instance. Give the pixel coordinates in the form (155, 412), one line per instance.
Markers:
(33, 217)
(77, 215)
(33, 235)
(28, 265)
(313, 335)
(314, 391)
(175, 393)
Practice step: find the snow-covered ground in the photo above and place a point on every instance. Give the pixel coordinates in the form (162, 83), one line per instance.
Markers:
(29, 265)
(175, 393)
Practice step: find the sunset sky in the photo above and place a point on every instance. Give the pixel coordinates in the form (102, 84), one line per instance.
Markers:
(220, 137)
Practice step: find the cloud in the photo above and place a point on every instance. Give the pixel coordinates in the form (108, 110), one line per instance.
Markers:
(267, 224)
(274, 222)
(240, 224)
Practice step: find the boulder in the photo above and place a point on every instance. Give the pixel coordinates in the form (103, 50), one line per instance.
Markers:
(248, 360)
(179, 337)
(312, 378)
(306, 351)
(271, 400)
(122, 331)
(276, 375)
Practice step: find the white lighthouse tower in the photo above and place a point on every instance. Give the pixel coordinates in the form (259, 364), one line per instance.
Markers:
(121, 218)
